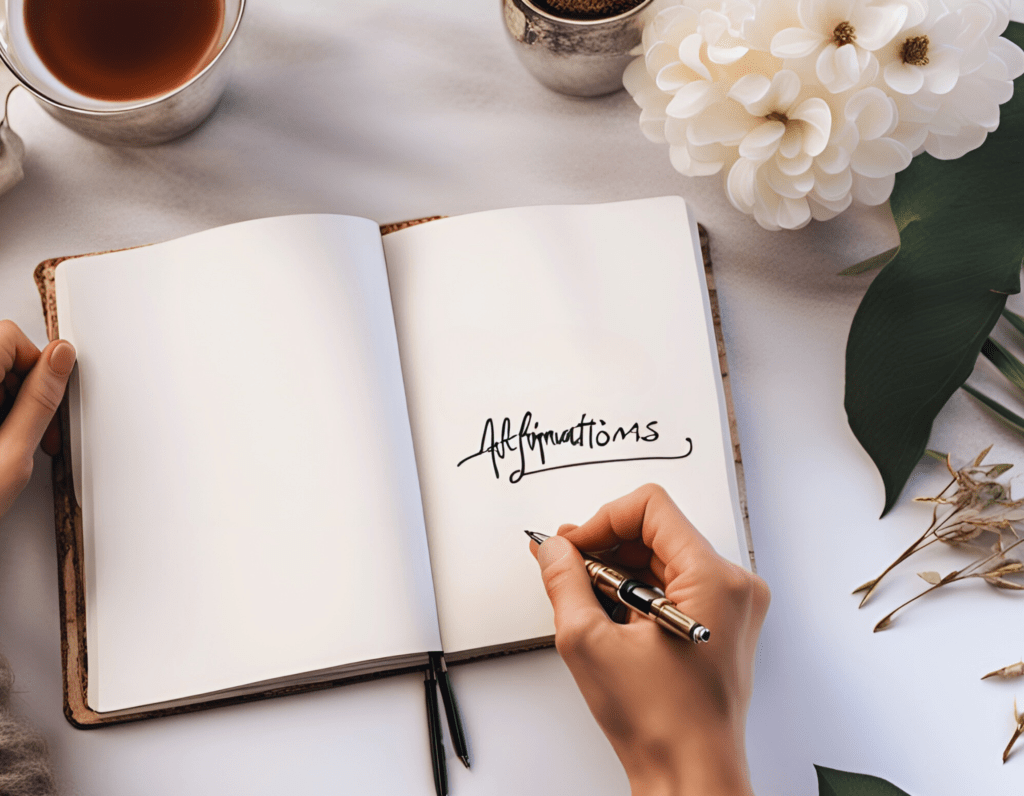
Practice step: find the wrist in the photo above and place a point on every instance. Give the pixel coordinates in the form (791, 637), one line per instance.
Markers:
(710, 764)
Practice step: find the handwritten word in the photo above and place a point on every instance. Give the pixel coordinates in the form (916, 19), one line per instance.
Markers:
(590, 434)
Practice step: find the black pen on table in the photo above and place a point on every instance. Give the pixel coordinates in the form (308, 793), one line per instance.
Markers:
(436, 737)
(641, 597)
(451, 707)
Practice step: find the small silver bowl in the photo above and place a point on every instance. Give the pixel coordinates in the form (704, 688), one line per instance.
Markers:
(140, 123)
(579, 57)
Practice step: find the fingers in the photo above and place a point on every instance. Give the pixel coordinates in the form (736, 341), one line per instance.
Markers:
(649, 517)
(36, 403)
(17, 353)
(577, 612)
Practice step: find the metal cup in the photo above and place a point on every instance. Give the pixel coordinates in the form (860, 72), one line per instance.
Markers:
(580, 57)
(139, 123)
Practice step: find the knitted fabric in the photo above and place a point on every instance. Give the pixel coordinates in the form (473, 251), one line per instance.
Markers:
(24, 764)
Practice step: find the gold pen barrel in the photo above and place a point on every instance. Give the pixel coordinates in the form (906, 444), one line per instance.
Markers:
(665, 613)
(605, 579)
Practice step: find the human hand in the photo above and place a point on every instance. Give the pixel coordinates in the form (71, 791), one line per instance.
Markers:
(675, 712)
(32, 384)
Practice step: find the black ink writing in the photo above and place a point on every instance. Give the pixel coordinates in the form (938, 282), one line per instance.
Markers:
(531, 443)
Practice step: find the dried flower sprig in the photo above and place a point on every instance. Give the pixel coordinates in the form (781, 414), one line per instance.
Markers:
(1013, 670)
(1019, 718)
(979, 507)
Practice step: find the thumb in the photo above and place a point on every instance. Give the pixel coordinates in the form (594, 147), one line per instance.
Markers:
(577, 611)
(38, 398)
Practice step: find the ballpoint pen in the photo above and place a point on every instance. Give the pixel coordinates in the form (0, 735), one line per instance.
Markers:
(641, 597)
(436, 737)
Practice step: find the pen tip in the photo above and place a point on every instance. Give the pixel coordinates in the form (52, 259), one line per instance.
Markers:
(465, 760)
(537, 537)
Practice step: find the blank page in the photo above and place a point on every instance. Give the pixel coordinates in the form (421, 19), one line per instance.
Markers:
(555, 358)
(250, 500)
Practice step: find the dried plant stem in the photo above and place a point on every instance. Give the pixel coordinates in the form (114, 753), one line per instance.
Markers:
(917, 546)
(970, 571)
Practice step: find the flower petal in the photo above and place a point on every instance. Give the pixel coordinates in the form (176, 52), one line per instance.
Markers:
(951, 147)
(792, 141)
(876, 25)
(750, 92)
(681, 161)
(817, 118)
(872, 111)
(1011, 55)
(793, 213)
(838, 68)
(904, 78)
(872, 191)
(761, 142)
(823, 211)
(740, 186)
(692, 99)
(793, 187)
(880, 158)
(796, 43)
(724, 123)
(832, 187)
(943, 70)
(794, 166)
(689, 54)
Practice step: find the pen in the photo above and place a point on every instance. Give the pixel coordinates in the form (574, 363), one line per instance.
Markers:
(641, 597)
(436, 738)
(451, 707)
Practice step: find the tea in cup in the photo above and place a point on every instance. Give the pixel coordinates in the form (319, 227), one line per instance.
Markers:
(132, 72)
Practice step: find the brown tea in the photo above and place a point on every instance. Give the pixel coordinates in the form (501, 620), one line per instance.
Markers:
(123, 50)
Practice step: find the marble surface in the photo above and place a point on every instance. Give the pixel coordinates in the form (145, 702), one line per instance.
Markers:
(395, 109)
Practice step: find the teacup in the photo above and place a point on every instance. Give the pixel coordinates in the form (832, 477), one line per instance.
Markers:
(140, 122)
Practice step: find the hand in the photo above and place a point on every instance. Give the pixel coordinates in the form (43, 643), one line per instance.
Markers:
(32, 384)
(675, 712)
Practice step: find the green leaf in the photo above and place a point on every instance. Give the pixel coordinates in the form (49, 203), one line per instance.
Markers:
(844, 783)
(1008, 364)
(1015, 319)
(1015, 421)
(871, 263)
(923, 320)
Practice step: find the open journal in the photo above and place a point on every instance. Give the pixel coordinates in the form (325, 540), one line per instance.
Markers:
(299, 453)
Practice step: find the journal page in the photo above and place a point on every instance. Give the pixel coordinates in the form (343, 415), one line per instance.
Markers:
(555, 358)
(245, 468)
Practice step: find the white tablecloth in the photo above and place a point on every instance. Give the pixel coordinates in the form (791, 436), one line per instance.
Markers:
(396, 109)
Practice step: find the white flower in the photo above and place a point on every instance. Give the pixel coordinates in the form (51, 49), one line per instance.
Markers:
(779, 133)
(805, 106)
(950, 124)
(924, 54)
(840, 36)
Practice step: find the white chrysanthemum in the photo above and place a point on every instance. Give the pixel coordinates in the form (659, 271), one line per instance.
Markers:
(949, 124)
(807, 106)
(839, 35)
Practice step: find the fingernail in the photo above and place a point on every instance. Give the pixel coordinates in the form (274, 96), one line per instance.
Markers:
(551, 551)
(62, 358)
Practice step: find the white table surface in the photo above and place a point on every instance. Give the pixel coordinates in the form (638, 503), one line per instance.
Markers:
(396, 109)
